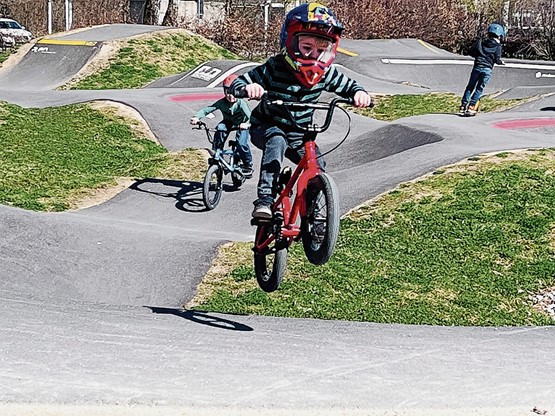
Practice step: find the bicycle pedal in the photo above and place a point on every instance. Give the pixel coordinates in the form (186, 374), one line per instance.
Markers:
(259, 221)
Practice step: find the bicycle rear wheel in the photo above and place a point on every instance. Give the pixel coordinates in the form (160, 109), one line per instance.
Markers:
(212, 186)
(320, 226)
(269, 264)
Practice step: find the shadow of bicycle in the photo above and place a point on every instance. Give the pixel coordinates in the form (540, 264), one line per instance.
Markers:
(187, 194)
(202, 318)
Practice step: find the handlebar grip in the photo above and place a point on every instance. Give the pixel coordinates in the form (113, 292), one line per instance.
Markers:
(242, 93)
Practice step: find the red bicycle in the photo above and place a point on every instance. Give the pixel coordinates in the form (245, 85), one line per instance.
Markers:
(306, 208)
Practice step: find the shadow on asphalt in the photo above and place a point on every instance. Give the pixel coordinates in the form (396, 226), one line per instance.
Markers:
(547, 109)
(202, 318)
(188, 194)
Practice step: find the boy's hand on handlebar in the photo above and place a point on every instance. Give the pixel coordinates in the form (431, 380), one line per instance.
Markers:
(362, 99)
(194, 121)
(254, 91)
(244, 126)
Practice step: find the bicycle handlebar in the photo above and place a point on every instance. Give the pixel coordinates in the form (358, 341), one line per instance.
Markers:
(201, 125)
(330, 107)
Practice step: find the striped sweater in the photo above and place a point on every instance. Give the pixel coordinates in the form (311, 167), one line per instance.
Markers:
(276, 77)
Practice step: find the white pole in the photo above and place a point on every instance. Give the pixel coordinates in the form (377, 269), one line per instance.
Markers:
(70, 14)
(49, 17)
(66, 9)
(266, 15)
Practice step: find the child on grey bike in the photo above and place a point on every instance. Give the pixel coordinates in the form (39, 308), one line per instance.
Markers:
(236, 113)
(300, 73)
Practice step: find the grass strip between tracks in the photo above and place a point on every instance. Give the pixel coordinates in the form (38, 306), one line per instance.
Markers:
(471, 244)
(393, 107)
(53, 158)
(141, 60)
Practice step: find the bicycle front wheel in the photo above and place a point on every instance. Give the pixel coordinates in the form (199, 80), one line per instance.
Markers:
(320, 226)
(212, 186)
(269, 264)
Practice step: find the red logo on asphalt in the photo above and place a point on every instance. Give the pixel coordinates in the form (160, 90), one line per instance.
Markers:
(529, 123)
(196, 97)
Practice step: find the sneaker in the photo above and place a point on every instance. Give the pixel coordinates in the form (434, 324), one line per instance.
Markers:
(247, 171)
(262, 212)
(472, 110)
(462, 110)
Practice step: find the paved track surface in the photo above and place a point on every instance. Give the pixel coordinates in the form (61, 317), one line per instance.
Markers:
(90, 310)
(434, 69)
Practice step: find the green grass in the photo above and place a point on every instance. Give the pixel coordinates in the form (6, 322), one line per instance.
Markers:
(393, 107)
(4, 55)
(49, 157)
(142, 60)
(462, 247)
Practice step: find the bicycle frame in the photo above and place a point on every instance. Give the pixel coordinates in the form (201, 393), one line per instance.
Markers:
(306, 169)
(293, 208)
(219, 158)
(221, 152)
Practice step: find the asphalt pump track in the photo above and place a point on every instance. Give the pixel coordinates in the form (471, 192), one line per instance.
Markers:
(91, 312)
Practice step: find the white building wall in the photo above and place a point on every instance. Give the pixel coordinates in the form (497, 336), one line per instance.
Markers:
(213, 10)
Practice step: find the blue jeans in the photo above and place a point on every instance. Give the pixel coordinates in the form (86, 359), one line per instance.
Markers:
(275, 145)
(479, 77)
(243, 149)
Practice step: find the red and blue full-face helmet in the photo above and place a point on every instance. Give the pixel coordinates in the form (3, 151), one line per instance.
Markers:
(309, 19)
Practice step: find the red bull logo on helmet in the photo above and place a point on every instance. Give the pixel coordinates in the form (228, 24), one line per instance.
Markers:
(317, 11)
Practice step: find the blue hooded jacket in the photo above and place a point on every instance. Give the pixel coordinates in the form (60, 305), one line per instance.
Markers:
(486, 53)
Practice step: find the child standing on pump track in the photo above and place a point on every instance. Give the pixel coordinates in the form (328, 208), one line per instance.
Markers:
(486, 54)
(236, 113)
(300, 73)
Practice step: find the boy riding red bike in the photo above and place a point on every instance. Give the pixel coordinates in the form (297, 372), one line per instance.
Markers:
(301, 72)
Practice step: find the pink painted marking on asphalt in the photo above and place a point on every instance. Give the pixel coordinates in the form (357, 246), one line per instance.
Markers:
(529, 123)
(196, 97)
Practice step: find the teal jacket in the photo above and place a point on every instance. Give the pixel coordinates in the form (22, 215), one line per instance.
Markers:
(233, 113)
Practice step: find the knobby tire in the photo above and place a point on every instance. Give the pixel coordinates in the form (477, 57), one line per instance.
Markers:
(322, 203)
(270, 264)
(212, 187)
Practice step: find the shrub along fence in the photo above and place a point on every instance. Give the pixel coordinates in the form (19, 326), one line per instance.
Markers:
(449, 24)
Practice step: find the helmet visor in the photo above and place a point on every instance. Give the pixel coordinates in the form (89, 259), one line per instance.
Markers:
(315, 48)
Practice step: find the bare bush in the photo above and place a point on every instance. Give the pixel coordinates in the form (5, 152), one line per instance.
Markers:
(243, 33)
(444, 23)
(30, 13)
(98, 12)
(449, 24)
(33, 14)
